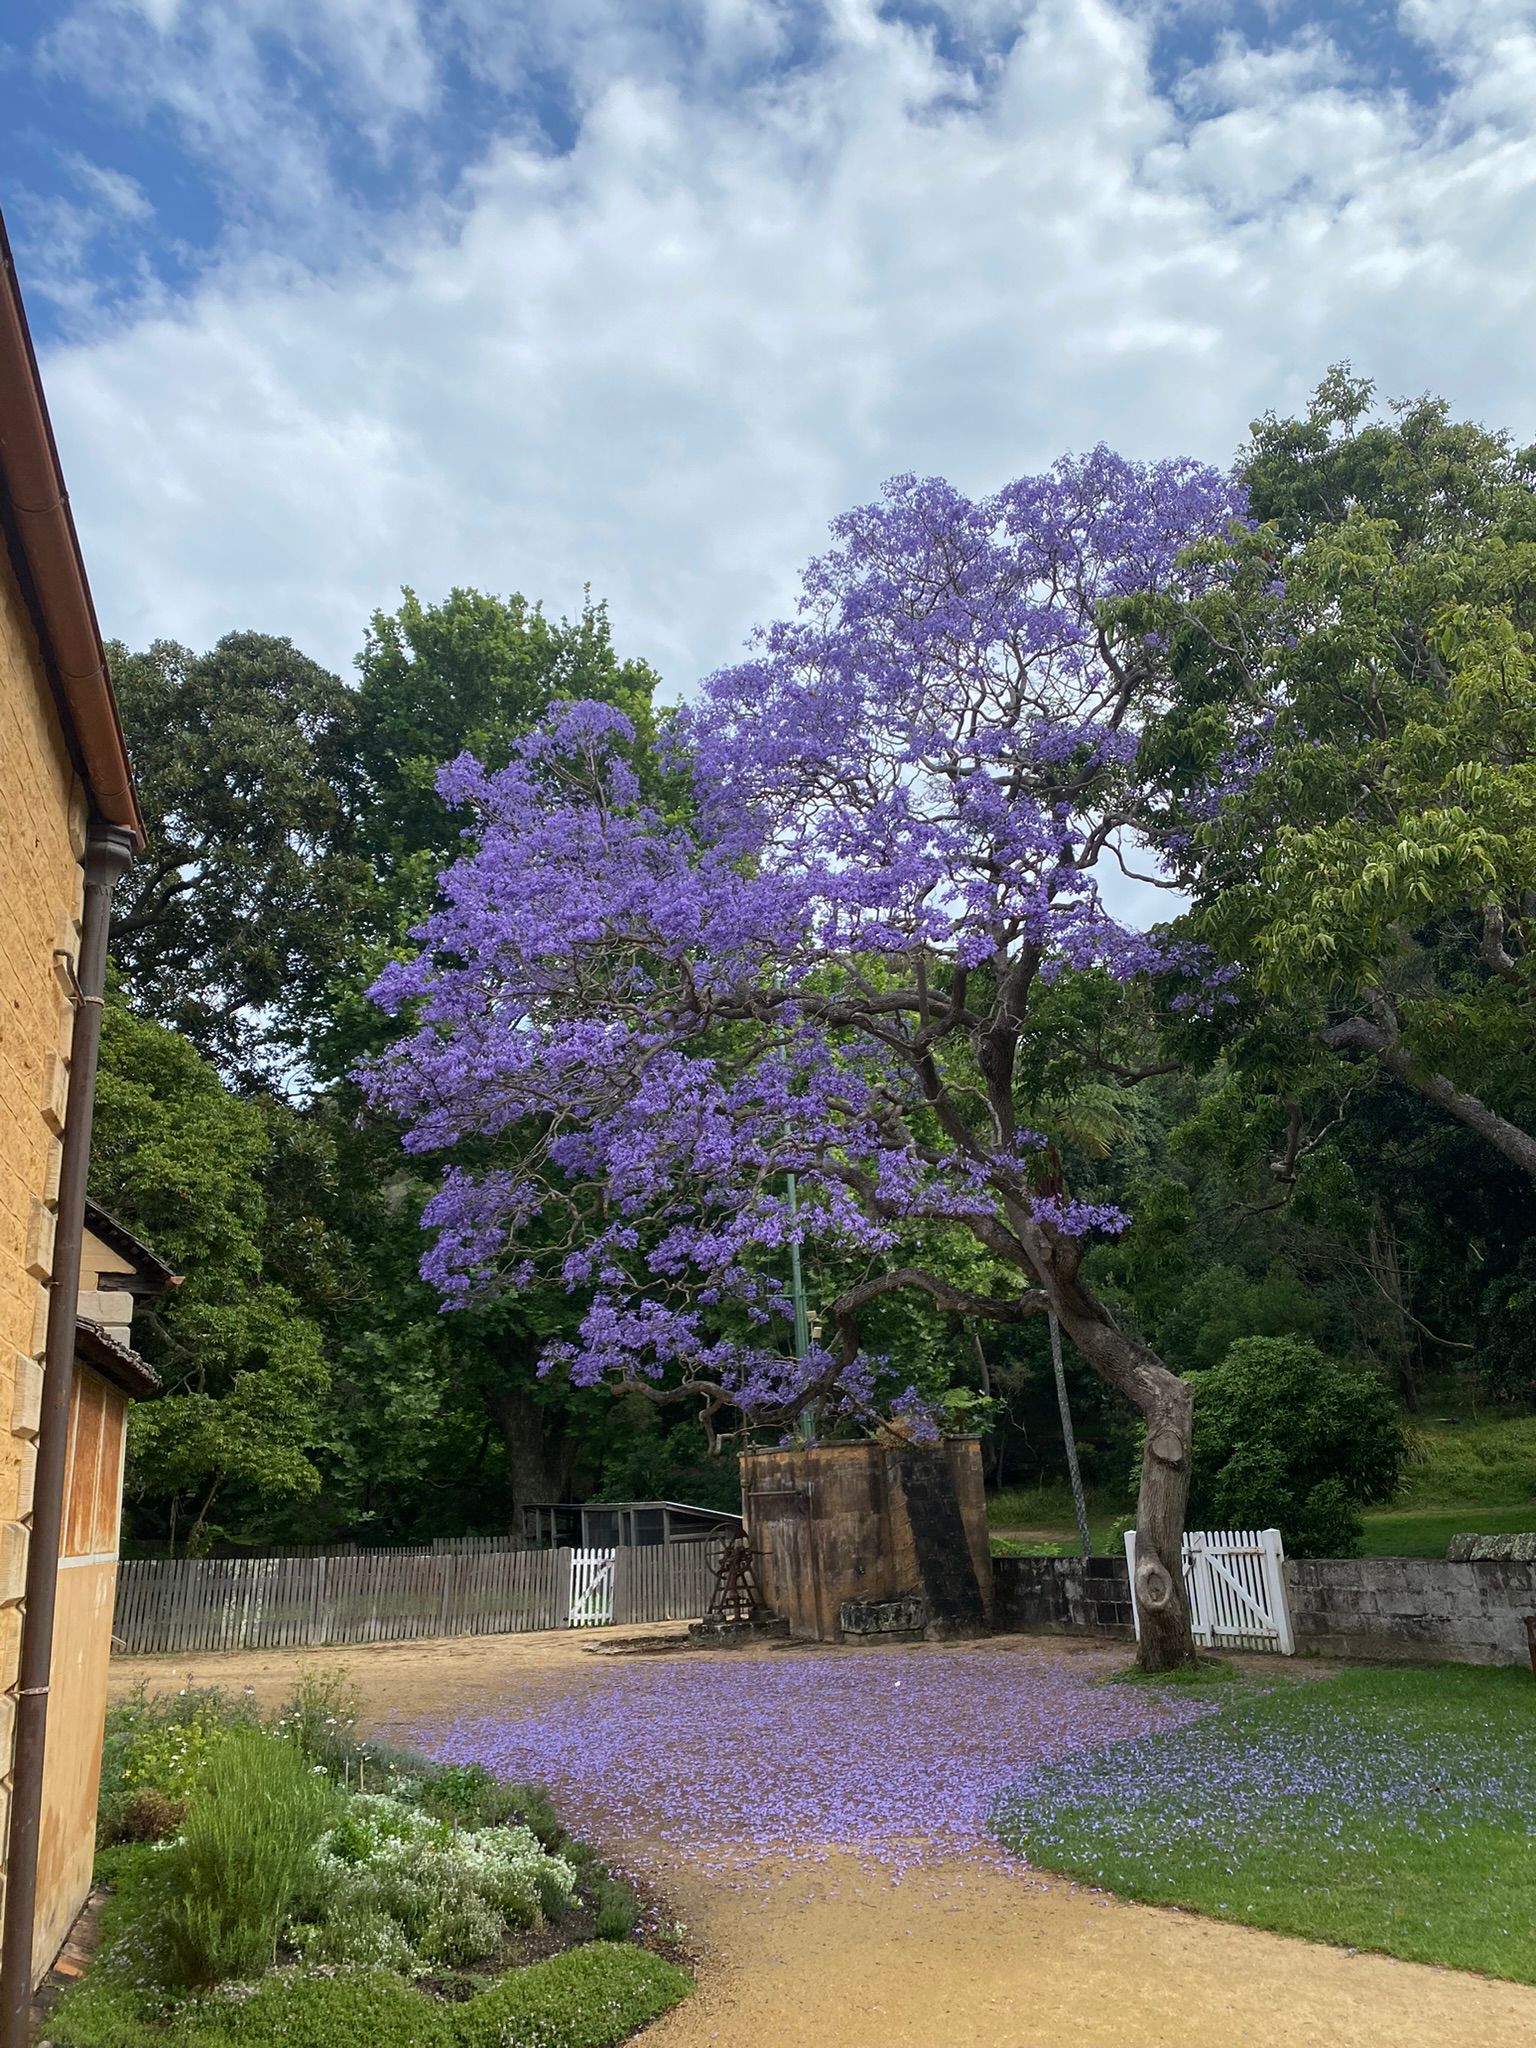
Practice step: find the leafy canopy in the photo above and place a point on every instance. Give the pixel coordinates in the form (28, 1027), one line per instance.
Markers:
(853, 960)
(1352, 757)
(180, 1160)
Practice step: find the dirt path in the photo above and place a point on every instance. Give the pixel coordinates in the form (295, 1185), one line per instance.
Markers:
(832, 1954)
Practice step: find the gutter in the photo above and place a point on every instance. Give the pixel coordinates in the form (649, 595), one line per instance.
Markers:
(108, 852)
(41, 529)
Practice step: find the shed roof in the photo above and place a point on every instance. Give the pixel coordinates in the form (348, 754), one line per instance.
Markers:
(678, 1507)
(115, 1362)
(144, 1260)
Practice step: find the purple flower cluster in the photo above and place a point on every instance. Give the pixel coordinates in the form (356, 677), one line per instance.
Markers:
(652, 1018)
(1317, 1779)
(896, 1755)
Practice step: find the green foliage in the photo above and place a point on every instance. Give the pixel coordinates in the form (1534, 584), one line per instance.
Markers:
(585, 1998)
(1286, 1437)
(471, 674)
(469, 1797)
(1371, 860)
(173, 1756)
(243, 905)
(319, 1716)
(366, 2009)
(180, 1160)
(401, 1888)
(618, 1909)
(1426, 1532)
(246, 1858)
(154, 1754)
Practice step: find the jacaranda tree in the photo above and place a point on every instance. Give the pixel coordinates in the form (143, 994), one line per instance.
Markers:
(867, 938)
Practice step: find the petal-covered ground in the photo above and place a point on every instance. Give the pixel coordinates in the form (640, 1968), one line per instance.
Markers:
(1390, 1809)
(897, 1755)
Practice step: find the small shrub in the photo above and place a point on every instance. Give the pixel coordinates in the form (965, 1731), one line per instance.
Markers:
(466, 1794)
(554, 1888)
(1287, 1437)
(451, 1892)
(146, 1814)
(159, 1746)
(617, 1910)
(535, 1809)
(246, 1858)
(359, 1939)
(588, 1997)
(352, 2010)
(320, 1717)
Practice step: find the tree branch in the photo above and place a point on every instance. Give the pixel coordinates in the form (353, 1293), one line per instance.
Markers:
(958, 1300)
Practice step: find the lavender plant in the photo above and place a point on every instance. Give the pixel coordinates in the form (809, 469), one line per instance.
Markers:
(861, 952)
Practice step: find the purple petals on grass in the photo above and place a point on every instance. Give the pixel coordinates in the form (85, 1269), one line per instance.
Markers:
(896, 1756)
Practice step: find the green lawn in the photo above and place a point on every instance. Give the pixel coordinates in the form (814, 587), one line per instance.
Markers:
(1425, 1532)
(1381, 1809)
(1460, 1478)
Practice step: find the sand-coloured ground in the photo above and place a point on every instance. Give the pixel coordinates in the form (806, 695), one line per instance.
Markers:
(829, 1946)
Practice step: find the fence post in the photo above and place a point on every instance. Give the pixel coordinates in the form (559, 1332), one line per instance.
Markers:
(1203, 1618)
(1274, 1579)
(1130, 1565)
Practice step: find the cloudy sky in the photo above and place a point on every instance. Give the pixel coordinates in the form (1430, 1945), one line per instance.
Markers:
(336, 295)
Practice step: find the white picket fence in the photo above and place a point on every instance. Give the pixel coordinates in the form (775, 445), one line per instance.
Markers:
(592, 1588)
(1235, 1581)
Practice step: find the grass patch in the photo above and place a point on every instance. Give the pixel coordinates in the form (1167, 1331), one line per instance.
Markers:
(1425, 1532)
(1204, 1671)
(1384, 1809)
(586, 1998)
(1491, 1464)
(1046, 1507)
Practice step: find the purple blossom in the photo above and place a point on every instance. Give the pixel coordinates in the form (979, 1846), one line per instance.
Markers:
(899, 1756)
(899, 797)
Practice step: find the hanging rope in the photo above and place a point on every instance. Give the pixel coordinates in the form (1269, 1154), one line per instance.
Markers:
(1078, 1501)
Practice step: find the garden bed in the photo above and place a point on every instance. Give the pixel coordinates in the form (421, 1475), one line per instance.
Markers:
(284, 1881)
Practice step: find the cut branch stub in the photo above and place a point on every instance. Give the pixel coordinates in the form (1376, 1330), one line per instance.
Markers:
(1167, 1446)
(1154, 1584)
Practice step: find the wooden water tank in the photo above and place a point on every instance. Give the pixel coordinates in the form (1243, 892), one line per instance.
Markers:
(832, 1524)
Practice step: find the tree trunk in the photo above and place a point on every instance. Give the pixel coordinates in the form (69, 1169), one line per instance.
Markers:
(533, 1444)
(1166, 1406)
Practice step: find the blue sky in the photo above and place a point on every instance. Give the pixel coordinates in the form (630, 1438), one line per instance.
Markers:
(337, 295)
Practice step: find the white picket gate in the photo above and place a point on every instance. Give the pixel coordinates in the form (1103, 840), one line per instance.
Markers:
(1235, 1580)
(592, 1588)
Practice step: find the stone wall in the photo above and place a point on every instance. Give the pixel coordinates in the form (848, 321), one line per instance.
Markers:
(1394, 1607)
(1063, 1594)
(1373, 1608)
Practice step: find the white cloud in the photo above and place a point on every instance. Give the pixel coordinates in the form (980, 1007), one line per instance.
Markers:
(662, 362)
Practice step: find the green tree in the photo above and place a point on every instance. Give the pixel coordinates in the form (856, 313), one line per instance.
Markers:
(179, 1159)
(230, 927)
(1288, 1438)
(1356, 727)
